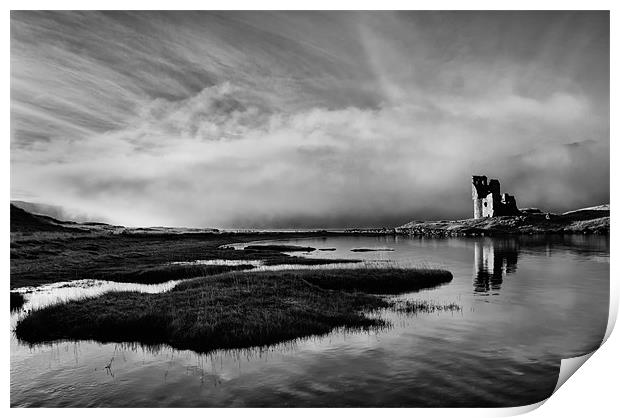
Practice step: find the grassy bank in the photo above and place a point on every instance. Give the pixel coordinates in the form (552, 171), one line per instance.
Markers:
(231, 310)
(167, 272)
(17, 301)
(45, 258)
(390, 280)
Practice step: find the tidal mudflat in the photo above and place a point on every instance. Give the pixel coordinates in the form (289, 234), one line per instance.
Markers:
(226, 305)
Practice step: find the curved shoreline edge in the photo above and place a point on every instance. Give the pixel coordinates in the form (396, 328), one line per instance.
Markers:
(236, 309)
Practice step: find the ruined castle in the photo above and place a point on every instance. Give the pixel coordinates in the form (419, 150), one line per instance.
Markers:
(488, 202)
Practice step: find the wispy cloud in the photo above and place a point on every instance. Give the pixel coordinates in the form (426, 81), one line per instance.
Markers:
(306, 119)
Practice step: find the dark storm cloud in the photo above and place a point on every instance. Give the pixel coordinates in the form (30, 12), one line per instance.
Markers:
(307, 119)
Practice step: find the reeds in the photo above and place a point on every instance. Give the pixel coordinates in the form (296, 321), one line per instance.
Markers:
(413, 307)
(379, 279)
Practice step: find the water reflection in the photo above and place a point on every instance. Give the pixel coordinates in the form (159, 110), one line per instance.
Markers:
(494, 259)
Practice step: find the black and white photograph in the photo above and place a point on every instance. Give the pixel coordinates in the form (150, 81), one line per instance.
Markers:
(306, 209)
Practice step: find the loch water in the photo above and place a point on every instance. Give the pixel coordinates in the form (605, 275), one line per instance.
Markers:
(526, 303)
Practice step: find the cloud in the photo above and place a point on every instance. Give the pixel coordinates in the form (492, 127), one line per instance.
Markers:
(378, 138)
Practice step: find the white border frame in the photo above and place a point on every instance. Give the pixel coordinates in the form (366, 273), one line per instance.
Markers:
(591, 392)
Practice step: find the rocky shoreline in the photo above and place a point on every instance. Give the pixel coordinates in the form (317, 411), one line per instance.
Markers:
(508, 225)
(529, 222)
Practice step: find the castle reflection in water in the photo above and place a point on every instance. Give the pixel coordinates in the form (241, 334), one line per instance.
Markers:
(493, 260)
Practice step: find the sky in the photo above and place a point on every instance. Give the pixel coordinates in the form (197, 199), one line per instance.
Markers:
(306, 119)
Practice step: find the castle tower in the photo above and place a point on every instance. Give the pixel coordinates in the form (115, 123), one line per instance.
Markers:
(491, 204)
(479, 191)
(494, 187)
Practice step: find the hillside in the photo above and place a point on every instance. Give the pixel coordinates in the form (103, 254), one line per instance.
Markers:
(56, 212)
(23, 221)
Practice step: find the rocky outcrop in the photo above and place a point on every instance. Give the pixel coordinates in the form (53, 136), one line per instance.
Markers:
(581, 221)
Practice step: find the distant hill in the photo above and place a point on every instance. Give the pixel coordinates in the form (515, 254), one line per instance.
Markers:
(23, 221)
(586, 214)
(598, 209)
(56, 212)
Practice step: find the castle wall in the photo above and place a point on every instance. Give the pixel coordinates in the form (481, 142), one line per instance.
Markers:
(509, 205)
(489, 206)
(479, 189)
(477, 208)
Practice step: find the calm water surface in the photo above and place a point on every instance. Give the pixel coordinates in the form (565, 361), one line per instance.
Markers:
(526, 304)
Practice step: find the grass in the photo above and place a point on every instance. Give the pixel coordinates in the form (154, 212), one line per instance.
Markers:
(48, 257)
(167, 272)
(390, 280)
(231, 310)
(17, 301)
(222, 309)
(302, 261)
(413, 307)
